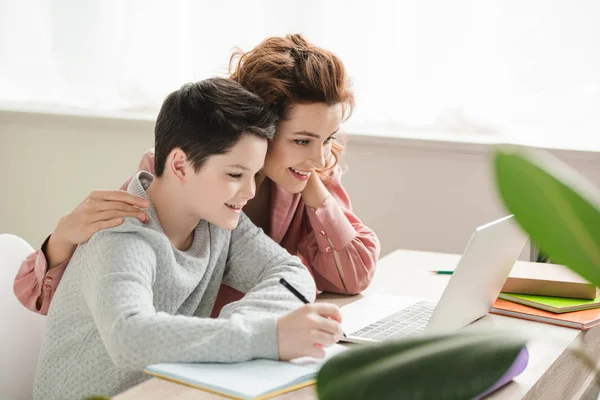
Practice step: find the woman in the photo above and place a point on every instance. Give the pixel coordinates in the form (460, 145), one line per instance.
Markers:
(300, 202)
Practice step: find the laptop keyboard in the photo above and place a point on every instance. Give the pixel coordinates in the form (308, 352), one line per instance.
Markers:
(410, 321)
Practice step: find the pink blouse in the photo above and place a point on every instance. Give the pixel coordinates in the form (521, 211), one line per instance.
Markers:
(337, 248)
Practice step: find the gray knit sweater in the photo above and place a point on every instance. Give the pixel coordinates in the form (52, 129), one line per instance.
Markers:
(129, 299)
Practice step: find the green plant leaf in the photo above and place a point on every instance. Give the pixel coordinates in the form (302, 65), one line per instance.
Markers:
(555, 205)
(444, 366)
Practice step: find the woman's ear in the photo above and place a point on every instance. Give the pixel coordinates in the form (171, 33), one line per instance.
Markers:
(177, 164)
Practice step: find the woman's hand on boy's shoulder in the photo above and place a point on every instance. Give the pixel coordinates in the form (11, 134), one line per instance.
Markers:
(101, 209)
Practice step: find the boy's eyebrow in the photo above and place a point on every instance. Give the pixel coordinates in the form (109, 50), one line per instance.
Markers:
(313, 135)
(239, 166)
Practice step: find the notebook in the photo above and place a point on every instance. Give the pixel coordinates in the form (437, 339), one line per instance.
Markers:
(579, 319)
(553, 304)
(256, 379)
(545, 279)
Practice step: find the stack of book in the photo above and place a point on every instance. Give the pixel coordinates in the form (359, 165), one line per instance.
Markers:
(549, 293)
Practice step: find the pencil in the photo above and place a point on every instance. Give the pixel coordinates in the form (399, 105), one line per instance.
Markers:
(442, 272)
(293, 290)
(296, 293)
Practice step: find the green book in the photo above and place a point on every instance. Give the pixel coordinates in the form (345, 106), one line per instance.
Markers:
(556, 305)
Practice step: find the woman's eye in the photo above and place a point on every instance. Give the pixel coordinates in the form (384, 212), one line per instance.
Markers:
(302, 142)
(329, 139)
(235, 176)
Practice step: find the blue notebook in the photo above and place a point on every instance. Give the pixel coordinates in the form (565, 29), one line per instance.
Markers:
(256, 379)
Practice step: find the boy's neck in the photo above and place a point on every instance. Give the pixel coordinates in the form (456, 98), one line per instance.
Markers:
(177, 225)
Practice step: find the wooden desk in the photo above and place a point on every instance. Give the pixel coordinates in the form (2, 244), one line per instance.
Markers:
(552, 372)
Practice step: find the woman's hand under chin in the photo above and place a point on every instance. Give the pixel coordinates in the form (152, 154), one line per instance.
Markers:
(315, 193)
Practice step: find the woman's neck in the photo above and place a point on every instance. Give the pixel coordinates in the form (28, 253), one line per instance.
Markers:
(178, 226)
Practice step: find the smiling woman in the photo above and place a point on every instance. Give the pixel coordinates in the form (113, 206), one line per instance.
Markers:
(303, 144)
(301, 203)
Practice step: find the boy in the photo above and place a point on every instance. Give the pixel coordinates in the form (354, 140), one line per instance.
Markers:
(140, 294)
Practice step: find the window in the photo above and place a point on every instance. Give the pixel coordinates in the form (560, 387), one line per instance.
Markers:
(529, 68)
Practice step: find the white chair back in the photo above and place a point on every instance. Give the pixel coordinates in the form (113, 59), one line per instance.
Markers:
(21, 330)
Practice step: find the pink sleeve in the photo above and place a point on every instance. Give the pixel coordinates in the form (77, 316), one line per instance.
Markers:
(34, 283)
(341, 250)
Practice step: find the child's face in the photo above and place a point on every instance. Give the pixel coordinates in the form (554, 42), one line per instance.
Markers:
(225, 183)
(302, 143)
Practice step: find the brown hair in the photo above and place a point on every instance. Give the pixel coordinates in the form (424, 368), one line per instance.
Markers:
(207, 118)
(288, 70)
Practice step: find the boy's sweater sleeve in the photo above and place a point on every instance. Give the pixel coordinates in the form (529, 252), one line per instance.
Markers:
(116, 273)
(254, 266)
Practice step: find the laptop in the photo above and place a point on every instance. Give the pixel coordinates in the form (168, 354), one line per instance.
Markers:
(474, 286)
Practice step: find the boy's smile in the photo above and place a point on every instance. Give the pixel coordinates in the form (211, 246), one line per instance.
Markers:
(226, 182)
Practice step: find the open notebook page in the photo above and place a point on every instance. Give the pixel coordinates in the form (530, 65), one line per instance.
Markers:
(245, 380)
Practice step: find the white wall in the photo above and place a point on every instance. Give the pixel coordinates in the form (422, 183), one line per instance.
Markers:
(416, 194)
(50, 163)
(430, 195)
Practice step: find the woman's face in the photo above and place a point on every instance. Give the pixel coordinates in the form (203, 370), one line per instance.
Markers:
(302, 144)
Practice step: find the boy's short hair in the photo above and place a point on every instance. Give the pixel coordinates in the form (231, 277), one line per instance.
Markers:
(208, 118)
